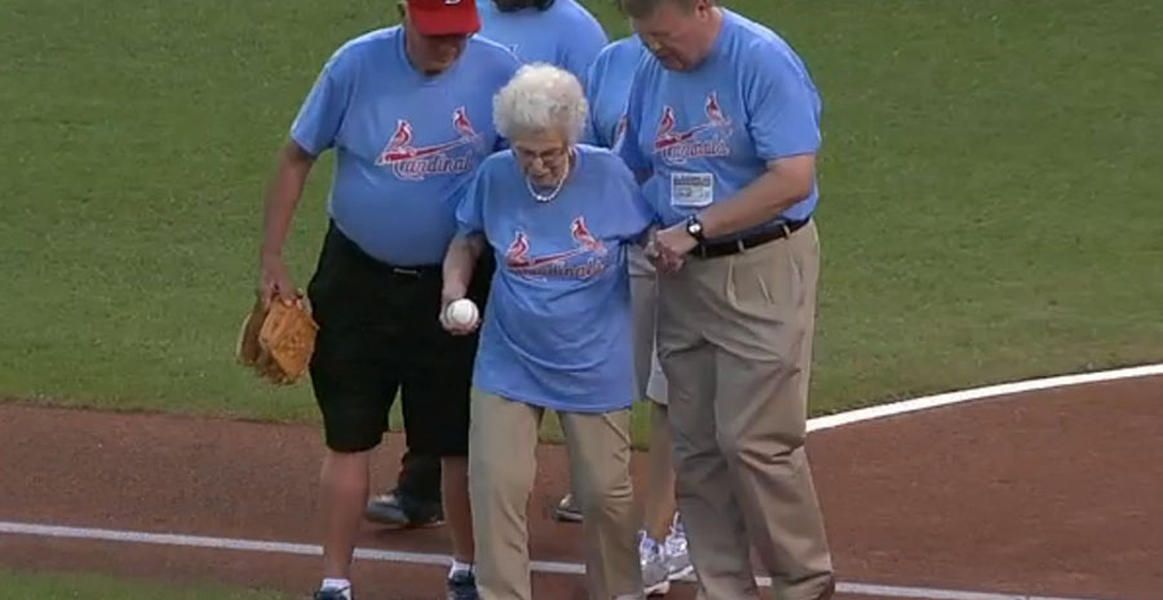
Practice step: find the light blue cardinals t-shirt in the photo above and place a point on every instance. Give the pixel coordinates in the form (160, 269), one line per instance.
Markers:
(565, 35)
(407, 144)
(705, 134)
(557, 327)
(608, 89)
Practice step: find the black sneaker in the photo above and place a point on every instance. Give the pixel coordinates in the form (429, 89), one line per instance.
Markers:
(567, 510)
(330, 594)
(399, 511)
(462, 585)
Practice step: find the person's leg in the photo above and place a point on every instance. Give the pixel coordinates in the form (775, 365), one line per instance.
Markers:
(436, 405)
(353, 377)
(343, 485)
(660, 494)
(665, 537)
(415, 500)
(719, 547)
(763, 365)
(419, 477)
(599, 459)
(437, 386)
(454, 487)
(643, 298)
(502, 466)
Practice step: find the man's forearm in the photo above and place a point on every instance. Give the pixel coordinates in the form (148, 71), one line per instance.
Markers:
(282, 197)
(782, 186)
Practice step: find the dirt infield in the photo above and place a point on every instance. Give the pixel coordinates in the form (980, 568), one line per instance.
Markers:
(1055, 493)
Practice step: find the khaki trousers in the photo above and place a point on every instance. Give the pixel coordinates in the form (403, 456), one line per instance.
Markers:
(644, 298)
(502, 464)
(735, 341)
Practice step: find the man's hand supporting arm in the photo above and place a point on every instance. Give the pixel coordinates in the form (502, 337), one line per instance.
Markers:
(786, 182)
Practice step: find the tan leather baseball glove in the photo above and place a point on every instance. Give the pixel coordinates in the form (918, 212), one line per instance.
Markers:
(277, 340)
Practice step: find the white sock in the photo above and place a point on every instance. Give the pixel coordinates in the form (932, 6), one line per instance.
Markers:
(341, 585)
(458, 567)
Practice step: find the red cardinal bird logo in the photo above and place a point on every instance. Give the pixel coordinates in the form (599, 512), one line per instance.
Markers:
(582, 235)
(416, 162)
(587, 245)
(680, 145)
(518, 253)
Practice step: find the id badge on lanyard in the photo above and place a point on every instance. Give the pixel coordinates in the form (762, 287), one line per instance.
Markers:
(692, 190)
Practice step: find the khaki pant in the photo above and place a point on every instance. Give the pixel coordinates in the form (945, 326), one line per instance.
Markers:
(502, 465)
(735, 339)
(648, 374)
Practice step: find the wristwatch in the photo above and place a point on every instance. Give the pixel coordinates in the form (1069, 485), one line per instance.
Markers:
(694, 227)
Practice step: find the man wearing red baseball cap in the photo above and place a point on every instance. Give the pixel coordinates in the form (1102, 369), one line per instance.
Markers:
(408, 110)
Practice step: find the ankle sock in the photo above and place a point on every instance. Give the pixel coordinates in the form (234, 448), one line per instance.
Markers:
(458, 567)
(340, 585)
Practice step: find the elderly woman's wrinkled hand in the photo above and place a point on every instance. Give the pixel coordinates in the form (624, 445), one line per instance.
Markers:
(668, 248)
(451, 293)
(663, 262)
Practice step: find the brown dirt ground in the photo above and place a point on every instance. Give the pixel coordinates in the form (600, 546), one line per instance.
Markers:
(1054, 493)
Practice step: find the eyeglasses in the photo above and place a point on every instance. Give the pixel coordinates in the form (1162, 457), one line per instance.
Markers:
(546, 157)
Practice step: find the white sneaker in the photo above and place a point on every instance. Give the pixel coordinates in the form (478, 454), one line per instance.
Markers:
(652, 557)
(678, 558)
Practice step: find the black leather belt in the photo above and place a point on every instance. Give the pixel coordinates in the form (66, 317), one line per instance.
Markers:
(727, 248)
(353, 250)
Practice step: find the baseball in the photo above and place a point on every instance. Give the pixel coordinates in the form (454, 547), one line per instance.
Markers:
(462, 312)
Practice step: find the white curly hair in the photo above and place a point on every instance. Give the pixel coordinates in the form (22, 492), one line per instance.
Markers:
(541, 97)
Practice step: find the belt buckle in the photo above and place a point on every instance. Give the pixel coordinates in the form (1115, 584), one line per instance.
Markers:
(404, 271)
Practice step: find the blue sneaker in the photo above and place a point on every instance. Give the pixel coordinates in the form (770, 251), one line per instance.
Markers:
(462, 585)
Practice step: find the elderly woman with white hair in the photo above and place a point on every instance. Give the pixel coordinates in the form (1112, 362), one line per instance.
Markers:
(558, 215)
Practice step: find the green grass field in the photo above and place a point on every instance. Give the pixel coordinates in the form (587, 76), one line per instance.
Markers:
(991, 207)
(60, 586)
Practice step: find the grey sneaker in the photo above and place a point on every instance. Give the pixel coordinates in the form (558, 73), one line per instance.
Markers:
(652, 556)
(399, 511)
(567, 510)
(334, 594)
(678, 557)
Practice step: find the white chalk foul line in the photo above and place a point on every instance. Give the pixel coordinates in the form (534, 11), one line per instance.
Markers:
(993, 391)
(418, 558)
(565, 568)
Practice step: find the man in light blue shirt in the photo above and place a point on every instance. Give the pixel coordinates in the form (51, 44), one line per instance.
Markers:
(608, 89)
(557, 32)
(407, 111)
(723, 125)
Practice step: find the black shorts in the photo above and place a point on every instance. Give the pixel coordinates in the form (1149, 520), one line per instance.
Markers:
(379, 334)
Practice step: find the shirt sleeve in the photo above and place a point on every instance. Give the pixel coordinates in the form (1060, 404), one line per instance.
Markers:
(626, 146)
(784, 106)
(470, 212)
(583, 48)
(636, 214)
(590, 134)
(320, 117)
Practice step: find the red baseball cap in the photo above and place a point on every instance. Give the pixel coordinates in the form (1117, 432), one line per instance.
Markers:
(444, 17)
